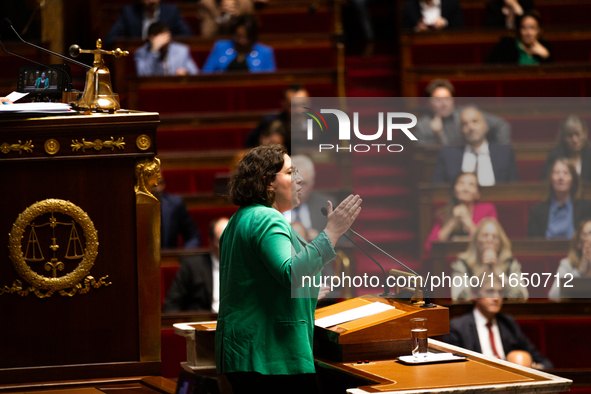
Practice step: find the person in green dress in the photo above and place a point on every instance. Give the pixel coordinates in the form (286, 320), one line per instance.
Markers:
(265, 326)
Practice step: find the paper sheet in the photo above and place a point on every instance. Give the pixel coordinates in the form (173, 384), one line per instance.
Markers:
(14, 96)
(35, 107)
(353, 314)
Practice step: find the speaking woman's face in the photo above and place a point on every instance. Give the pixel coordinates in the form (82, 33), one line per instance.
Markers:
(287, 187)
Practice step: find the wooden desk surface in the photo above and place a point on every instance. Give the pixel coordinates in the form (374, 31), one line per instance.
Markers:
(478, 374)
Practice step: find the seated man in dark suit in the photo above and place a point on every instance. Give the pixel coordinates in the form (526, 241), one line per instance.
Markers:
(196, 285)
(135, 19)
(493, 163)
(492, 333)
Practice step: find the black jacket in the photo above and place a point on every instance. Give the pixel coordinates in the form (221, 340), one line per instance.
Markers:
(506, 52)
(450, 10)
(585, 163)
(463, 333)
(537, 222)
(192, 287)
(449, 163)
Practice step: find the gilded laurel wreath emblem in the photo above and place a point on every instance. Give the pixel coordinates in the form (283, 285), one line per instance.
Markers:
(34, 219)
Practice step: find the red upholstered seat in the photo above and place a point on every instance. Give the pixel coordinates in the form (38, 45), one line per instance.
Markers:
(191, 180)
(220, 98)
(568, 345)
(173, 351)
(205, 215)
(202, 139)
(547, 87)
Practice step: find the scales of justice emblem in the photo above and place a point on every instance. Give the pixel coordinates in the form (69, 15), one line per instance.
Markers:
(44, 225)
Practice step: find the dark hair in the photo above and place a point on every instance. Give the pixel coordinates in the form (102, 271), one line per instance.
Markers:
(293, 88)
(532, 13)
(571, 123)
(157, 28)
(439, 83)
(452, 201)
(253, 174)
(576, 191)
(250, 24)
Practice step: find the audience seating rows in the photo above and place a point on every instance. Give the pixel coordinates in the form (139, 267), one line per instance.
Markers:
(473, 47)
(276, 17)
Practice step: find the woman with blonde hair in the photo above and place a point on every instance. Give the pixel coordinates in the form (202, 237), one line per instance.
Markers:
(556, 217)
(578, 262)
(489, 250)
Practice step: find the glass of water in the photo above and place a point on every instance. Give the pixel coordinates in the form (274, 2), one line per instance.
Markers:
(418, 336)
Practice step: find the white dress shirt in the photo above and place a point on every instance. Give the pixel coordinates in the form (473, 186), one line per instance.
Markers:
(215, 290)
(480, 158)
(299, 214)
(431, 13)
(483, 335)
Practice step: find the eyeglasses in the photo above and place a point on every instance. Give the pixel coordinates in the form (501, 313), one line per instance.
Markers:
(293, 171)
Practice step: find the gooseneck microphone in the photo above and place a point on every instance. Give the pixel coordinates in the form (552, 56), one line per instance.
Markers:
(41, 64)
(8, 23)
(386, 287)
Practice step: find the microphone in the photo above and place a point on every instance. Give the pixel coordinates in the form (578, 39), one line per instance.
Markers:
(386, 288)
(8, 23)
(41, 64)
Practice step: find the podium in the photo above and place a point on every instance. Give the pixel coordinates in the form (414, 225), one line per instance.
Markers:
(80, 278)
(359, 356)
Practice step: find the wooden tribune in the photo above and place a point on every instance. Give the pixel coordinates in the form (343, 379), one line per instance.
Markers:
(69, 173)
(380, 336)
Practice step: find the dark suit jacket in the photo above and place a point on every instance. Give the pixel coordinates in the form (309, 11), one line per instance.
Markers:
(537, 222)
(192, 287)
(129, 24)
(449, 163)
(585, 163)
(494, 12)
(450, 10)
(463, 333)
(176, 220)
(506, 52)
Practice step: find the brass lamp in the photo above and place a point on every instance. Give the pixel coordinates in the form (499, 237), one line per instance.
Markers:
(98, 92)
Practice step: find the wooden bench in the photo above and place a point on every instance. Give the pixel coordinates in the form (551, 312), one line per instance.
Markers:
(229, 92)
(461, 47)
(554, 80)
(537, 256)
(512, 202)
(276, 17)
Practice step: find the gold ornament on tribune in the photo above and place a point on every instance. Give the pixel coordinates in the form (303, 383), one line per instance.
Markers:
(34, 219)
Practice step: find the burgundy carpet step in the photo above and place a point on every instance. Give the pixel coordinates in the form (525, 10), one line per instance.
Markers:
(380, 191)
(379, 61)
(372, 92)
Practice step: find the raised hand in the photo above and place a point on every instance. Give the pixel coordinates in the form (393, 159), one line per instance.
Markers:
(340, 219)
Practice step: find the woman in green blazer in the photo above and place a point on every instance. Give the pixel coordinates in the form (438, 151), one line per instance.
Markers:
(265, 325)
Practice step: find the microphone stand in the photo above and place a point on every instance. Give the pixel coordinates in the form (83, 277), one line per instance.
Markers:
(70, 86)
(7, 22)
